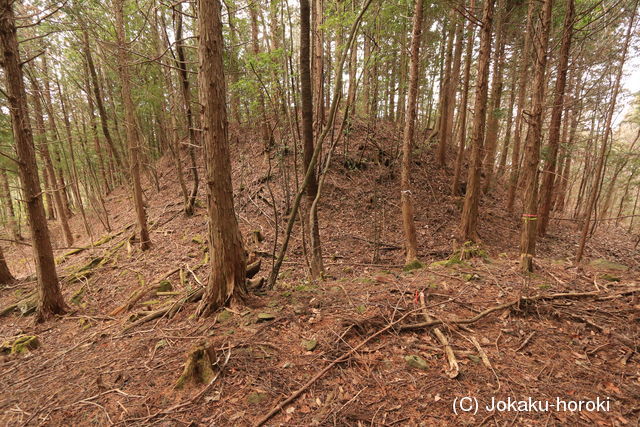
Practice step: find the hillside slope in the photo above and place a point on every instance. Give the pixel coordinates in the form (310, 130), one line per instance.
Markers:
(96, 366)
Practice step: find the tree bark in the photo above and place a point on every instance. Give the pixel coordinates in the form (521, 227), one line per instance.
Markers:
(43, 145)
(493, 124)
(133, 136)
(49, 296)
(462, 140)
(411, 241)
(12, 223)
(469, 221)
(5, 274)
(102, 112)
(522, 91)
(548, 178)
(306, 96)
(593, 196)
(228, 260)
(533, 142)
(186, 98)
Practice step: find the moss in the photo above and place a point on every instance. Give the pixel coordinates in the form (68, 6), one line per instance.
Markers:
(198, 239)
(224, 315)
(164, 286)
(21, 344)
(413, 265)
(76, 298)
(256, 397)
(610, 277)
(198, 368)
(27, 306)
(608, 265)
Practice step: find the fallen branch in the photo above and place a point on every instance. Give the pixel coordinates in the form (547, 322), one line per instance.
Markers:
(484, 313)
(140, 293)
(293, 396)
(454, 369)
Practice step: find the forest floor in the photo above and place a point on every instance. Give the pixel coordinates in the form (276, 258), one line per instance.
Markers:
(559, 333)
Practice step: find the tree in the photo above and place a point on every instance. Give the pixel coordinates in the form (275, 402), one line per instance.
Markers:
(50, 300)
(533, 142)
(133, 137)
(548, 179)
(5, 274)
(306, 97)
(468, 225)
(12, 223)
(228, 259)
(593, 196)
(411, 243)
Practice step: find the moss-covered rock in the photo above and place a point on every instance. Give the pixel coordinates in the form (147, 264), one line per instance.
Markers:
(608, 265)
(19, 345)
(416, 361)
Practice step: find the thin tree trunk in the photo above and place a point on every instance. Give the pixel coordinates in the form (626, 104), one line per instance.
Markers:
(533, 142)
(186, 98)
(469, 221)
(133, 136)
(228, 260)
(12, 223)
(455, 184)
(43, 145)
(411, 241)
(306, 96)
(493, 124)
(546, 190)
(50, 300)
(5, 274)
(446, 119)
(522, 90)
(102, 112)
(607, 133)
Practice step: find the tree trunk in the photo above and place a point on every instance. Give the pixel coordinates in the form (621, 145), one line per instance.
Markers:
(12, 223)
(491, 137)
(546, 190)
(43, 145)
(186, 98)
(469, 221)
(533, 142)
(102, 112)
(411, 241)
(133, 136)
(317, 17)
(306, 96)
(522, 91)
(607, 133)
(5, 274)
(446, 120)
(455, 184)
(228, 260)
(50, 299)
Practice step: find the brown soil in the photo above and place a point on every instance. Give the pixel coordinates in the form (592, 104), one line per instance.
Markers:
(87, 371)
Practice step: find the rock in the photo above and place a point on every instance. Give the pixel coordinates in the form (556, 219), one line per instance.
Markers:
(474, 358)
(309, 345)
(256, 397)
(607, 265)
(265, 317)
(21, 344)
(417, 362)
(164, 286)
